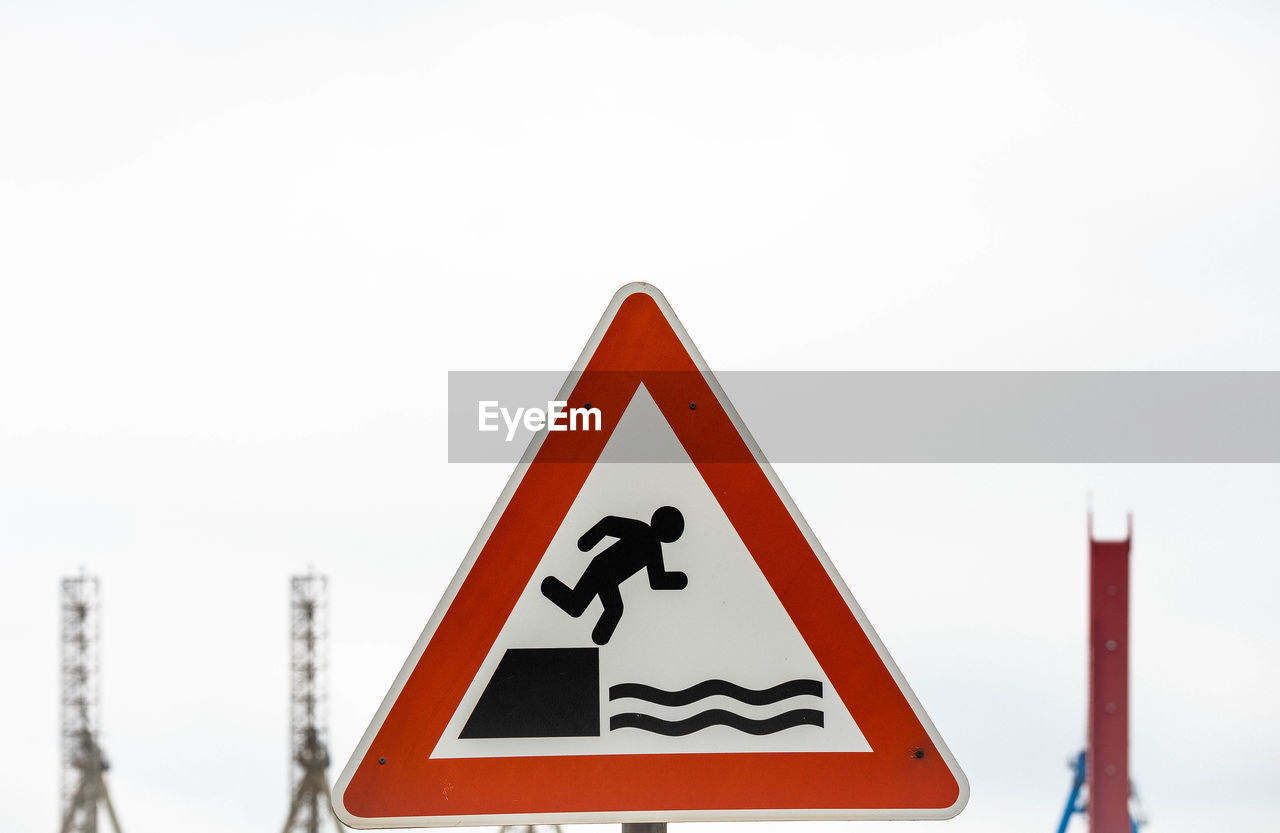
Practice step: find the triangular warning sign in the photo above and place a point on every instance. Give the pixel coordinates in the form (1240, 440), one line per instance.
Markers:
(646, 630)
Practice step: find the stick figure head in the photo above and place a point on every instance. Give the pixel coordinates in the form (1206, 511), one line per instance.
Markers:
(668, 523)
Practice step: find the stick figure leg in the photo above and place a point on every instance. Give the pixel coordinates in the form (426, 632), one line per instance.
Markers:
(612, 601)
(572, 602)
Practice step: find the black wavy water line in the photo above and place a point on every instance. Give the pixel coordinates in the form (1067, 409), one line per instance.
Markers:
(709, 688)
(716, 717)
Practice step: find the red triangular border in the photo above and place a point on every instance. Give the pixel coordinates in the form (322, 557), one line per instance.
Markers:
(908, 774)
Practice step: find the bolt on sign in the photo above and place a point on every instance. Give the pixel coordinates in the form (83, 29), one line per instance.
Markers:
(646, 629)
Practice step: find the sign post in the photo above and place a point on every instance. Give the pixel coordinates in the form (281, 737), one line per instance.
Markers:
(654, 827)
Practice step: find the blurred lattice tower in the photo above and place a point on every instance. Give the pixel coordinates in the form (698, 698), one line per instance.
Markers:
(308, 706)
(84, 787)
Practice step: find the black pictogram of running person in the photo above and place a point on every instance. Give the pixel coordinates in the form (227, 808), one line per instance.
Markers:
(639, 546)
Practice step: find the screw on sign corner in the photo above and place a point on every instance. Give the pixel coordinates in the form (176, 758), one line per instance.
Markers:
(917, 753)
(382, 761)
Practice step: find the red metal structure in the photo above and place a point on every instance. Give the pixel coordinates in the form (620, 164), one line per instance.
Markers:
(1104, 765)
(1107, 763)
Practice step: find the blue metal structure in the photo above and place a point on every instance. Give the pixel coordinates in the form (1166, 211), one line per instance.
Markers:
(1074, 804)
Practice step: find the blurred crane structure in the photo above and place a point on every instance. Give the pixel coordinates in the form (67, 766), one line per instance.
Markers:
(84, 786)
(1100, 786)
(308, 707)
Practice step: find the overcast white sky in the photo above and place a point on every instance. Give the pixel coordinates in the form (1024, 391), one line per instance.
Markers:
(242, 244)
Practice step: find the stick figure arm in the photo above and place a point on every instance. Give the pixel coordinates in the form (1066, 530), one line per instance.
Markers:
(609, 526)
(662, 579)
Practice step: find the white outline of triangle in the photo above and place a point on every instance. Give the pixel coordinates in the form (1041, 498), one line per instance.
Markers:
(774, 814)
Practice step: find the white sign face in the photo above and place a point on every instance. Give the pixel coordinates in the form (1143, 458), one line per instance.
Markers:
(724, 635)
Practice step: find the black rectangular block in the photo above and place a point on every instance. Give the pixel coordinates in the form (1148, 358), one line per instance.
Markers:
(540, 693)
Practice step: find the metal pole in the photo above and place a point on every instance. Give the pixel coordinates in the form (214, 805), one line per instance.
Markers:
(649, 827)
